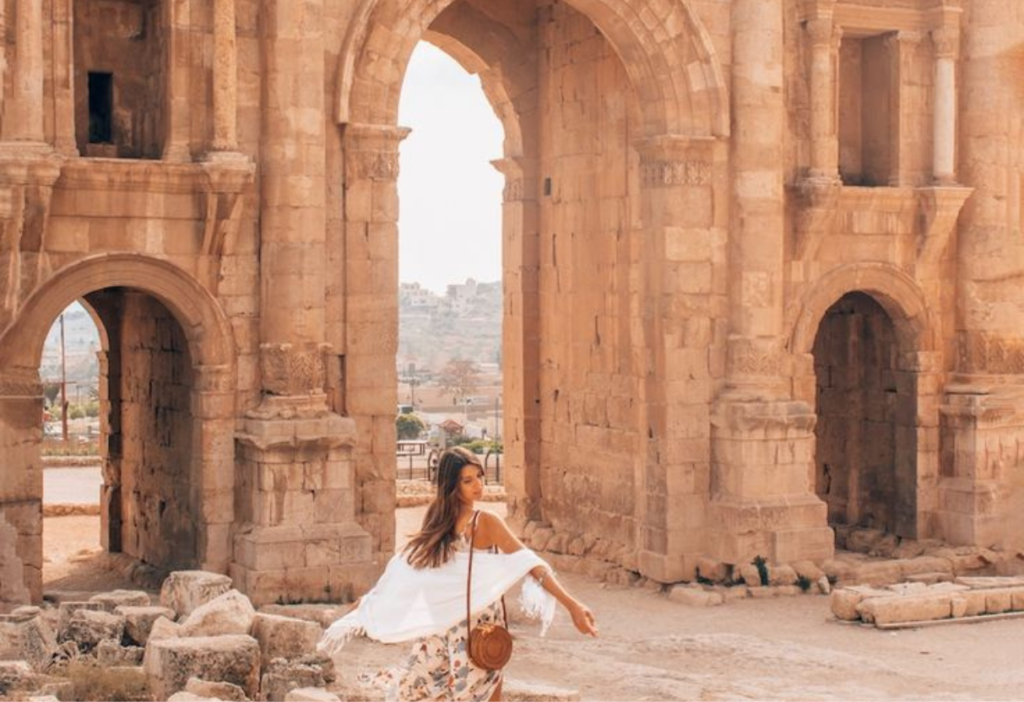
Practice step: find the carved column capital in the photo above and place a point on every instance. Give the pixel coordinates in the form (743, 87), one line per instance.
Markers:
(823, 31)
(946, 41)
(371, 151)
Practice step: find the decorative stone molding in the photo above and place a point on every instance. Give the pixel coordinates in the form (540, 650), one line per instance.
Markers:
(371, 151)
(984, 352)
(228, 175)
(20, 384)
(939, 209)
(291, 370)
(946, 40)
(518, 186)
(671, 160)
(755, 357)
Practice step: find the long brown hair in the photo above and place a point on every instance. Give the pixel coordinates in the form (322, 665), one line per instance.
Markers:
(432, 546)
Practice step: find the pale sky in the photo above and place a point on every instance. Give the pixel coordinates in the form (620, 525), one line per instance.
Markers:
(449, 226)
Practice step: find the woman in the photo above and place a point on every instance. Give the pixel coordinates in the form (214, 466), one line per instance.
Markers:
(422, 592)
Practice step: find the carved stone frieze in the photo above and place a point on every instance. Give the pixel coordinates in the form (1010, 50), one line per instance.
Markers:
(669, 160)
(667, 173)
(290, 370)
(371, 151)
(983, 352)
(20, 385)
(755, 357)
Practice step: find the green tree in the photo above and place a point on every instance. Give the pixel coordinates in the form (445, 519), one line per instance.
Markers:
(409, 427)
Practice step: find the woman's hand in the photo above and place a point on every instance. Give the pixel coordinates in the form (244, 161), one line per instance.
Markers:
(583, 618)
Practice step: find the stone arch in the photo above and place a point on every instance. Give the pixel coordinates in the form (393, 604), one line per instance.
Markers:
(203, 321)
(897, 293)
(888, 482)
(206, 449)
(669, 59)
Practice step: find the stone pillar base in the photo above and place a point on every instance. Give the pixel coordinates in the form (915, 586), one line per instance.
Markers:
(299, 541)
(762, 499)
(316, 563)
(781, 530)
(968, 512)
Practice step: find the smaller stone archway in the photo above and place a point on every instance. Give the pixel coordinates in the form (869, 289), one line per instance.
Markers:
(865, 362)
(183, 387)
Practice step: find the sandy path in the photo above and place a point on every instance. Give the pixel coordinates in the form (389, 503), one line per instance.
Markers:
(654, 649)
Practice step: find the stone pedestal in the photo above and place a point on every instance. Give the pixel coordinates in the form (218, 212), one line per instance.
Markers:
(761, 499)
(299, 540)
(982, 432)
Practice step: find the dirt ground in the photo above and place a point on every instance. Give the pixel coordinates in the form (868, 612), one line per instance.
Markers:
(652, 648)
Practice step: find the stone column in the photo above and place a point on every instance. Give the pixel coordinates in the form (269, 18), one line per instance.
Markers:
(824, 41)
(295, 489)
(982, 422)
(762, 442)
(21, 475)
(901, 46)
(225, 77)
(678, 295)
(62, 69)
(521, 337)
(23, 121)
(947, 47)
(177, 18)
(371, 319)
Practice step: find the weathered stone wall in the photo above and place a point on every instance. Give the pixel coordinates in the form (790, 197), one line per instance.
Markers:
(588, 208)
(157, 477)
(127, 38)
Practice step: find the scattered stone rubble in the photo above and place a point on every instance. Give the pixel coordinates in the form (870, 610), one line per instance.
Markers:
(915, 603)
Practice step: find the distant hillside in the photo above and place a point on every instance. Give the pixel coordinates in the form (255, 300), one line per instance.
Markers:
(463, 323)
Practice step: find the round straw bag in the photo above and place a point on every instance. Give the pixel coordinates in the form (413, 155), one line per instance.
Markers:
(489, 645)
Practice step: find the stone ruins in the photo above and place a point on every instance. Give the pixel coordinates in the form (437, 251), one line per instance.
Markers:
(763, 274)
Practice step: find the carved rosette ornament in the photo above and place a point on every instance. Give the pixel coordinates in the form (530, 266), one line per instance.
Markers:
(291, 370)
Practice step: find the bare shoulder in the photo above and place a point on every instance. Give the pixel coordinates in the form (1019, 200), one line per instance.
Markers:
(491, 525)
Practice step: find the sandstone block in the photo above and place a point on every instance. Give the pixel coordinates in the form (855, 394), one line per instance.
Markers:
(958, 606)
(782, 575)
(110, 652)
(694, 597)
(88, 627)
(66, 610)
(824, 586)
(750, 575)
(185, 696)
(311, 694)
(808, 570)
(975, 602)
(170, 663)
(713, 570)
(520, 691)
(843, 603)
(118, 598)
(215, 690)
(26, 637)
(229, 613)
(910, 608)
(139, 620)
(282, 677)
(322, 614)
(285, 637)
(163, 628)
(925, 564)
(863, 540)
(14, 675)
(1017, 596)
(184, 590)
(763, 593)
(998, 601)
(881, 573)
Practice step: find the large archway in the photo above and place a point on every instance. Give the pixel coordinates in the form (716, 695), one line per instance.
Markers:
(168, 495)
(863, 341)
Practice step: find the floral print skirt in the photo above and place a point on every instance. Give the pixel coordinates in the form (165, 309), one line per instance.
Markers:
(438, 668)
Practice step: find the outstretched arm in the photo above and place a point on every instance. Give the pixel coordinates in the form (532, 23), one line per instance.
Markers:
(507, 542)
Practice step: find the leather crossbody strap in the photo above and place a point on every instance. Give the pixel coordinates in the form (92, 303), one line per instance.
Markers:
(469, 579)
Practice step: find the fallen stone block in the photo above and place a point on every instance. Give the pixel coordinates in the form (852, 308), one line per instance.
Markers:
(281, 677)
(713, 570)
(521, 691)
(322, 614)
(998, 601)
(121, 598)
(863, 540)
(694, 596)
(930, 578)
(184, 590)
(14, 675)
(139, 620)
(311, 694)
(66, 610)
(982, 583)
(958, 606)
(229, 613)
(225, 691)
(750, 575)
(896, 609)
(284, 637)
(924, 564)
(734, 593)
(26, 636)
(163, 628)
(845, 600)
(109, 652)
(975, 602)
(88, 627)
(885, 547)
(880, 573)
(808, 570)
(184, 696)
(170, 663)
(782, 575)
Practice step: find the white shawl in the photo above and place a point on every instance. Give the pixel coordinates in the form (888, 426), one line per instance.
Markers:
(409, 603)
